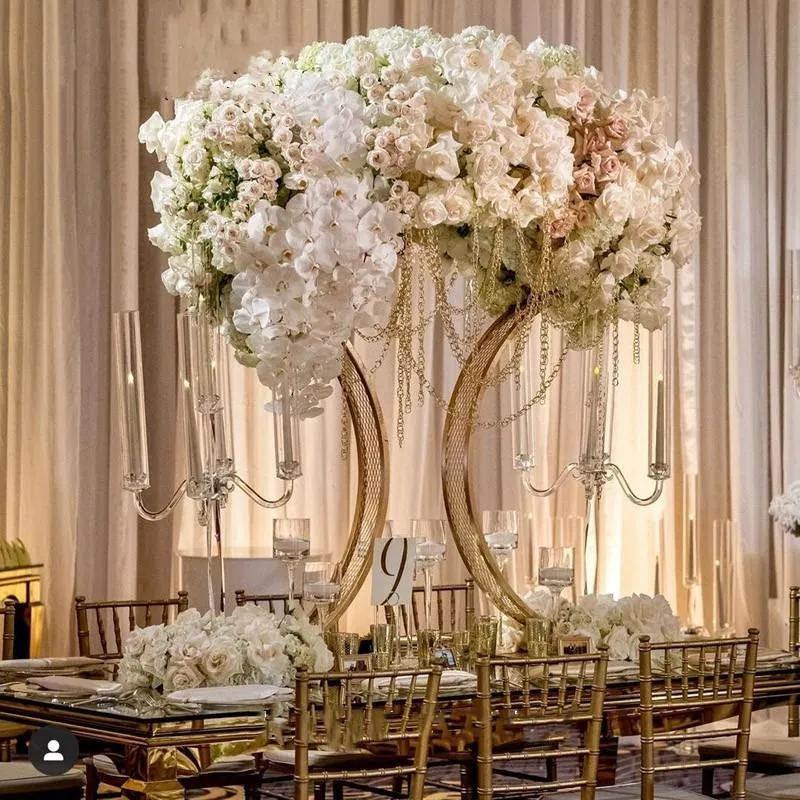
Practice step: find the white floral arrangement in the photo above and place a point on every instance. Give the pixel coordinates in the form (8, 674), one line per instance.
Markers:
(291, 190)
(616, 623)
(785, 509)
(251, 646)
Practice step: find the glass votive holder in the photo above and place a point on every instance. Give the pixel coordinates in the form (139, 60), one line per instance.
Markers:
(483, 637)
(383, 641)
(537, 636)
(427, 641)
(459, 642)
(345, 644)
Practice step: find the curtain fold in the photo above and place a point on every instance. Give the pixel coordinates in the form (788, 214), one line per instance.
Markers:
(76, 79)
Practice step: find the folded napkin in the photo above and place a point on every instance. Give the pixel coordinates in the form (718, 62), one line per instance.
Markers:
(253, 694)
(76, 686)
(452, 679)
(24, 665)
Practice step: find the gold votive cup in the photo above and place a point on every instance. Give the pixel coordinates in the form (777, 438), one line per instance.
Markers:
(483, 637)
(427, 642)
(383, 643)
(459, 642)
(537, 636)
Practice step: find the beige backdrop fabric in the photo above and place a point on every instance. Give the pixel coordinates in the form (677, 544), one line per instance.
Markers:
(77, 77)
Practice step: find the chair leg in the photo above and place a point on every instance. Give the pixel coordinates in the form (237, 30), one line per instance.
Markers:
(92, 781)
(469, 779)
(319, 791)
(5, 750)
(707, 781)
(338, 791)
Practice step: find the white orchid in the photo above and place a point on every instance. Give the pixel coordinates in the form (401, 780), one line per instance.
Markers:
(785, 509)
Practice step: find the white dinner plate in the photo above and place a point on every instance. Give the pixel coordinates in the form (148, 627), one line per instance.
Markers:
(251, 695)
(85, 687)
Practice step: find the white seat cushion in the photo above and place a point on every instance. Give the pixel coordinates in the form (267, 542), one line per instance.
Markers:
(243, 763)
(774, 787)
(317, 758)
(630, 791)
(779, 751)
(22, 778)
(104, 765)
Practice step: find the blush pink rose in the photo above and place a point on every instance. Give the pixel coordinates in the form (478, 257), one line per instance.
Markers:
(585, 107)
(609, 167)
(617, 128)
(559, 228)
(584, 215)
(595, 141)
(585, 179)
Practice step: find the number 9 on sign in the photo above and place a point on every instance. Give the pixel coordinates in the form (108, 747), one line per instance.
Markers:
(392, 571)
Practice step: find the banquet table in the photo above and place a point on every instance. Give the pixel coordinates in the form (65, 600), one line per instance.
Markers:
(151, 737)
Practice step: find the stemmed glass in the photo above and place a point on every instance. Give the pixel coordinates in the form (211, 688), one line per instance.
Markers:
(501, 533)
(291, 543)
(430, 541)
(556, 572)
(319, 587)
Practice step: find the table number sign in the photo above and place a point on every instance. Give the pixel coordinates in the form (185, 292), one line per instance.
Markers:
(393, 571)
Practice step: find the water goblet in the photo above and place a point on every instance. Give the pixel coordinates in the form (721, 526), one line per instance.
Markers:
(501, 533)
(319, 587)
(556, 572)
(430, 539)
(291, 544)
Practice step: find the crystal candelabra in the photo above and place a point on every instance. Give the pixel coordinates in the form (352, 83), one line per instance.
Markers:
(594, 468)
(203, 382)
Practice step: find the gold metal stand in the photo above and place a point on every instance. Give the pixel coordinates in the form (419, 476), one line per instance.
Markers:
(372, 493)
(461, 414)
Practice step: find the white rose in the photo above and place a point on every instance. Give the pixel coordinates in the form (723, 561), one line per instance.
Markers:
(561, 90)
(431, 211)
(221, 660)
(614, 204)
(441, 159)
(458, 200)
(489, 162)
(181, 675)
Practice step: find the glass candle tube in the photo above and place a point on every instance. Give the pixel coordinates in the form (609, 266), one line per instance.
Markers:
(130, 396)
(521, 428)
(287, 432)
(691, 551)
(660, 419)
(794, 349)
(597, 392)
(197, 483)
(205, 345)
(724, 575)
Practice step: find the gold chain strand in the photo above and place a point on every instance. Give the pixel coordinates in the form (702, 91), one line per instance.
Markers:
(615, 356)
(637, 348)
(421, 332)
(344, 430)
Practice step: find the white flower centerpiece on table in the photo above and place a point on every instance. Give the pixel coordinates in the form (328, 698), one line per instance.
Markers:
(616, 623)
(785, 509)
(291, 191)
(251, 646)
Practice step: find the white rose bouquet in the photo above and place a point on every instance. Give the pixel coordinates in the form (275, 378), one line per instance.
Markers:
(785, 509)
(616, 623)
(250, 646)
(290, 191)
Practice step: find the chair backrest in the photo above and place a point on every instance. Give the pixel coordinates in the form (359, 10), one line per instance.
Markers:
(372, 710)
(9, 616)
(531, 692)
(120, 617)
(452, 608)
(276, 603)
(794, 649)
(690, 675)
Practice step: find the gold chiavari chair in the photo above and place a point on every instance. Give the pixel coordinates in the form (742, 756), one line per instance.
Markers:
(770, 755)
(128, 613)
(276, 603)
(452, 607)
(20, 780)
(352, 727)
(102, 629)
(706, 674)
(537, 692)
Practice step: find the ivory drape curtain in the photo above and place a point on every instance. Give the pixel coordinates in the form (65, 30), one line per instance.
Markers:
(76, 78)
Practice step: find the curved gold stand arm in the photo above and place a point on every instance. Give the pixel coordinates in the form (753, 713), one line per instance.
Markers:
(154, 516)
(259, 499)
(372, 491)
(458, 429)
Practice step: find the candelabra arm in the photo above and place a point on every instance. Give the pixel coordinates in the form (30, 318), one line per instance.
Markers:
(263, 501)
(154, 516)
(629, 493)
(562, 476)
